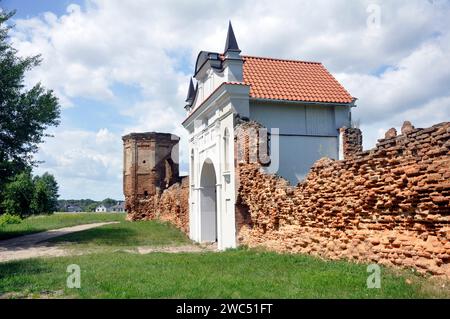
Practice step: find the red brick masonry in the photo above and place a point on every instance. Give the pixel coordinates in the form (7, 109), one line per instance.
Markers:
(389, 205)
(172, 205)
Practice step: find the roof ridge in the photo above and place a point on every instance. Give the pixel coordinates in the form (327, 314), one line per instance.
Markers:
(280, 59)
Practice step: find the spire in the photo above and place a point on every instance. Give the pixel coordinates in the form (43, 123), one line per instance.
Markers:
(231, 43)
(191, 92)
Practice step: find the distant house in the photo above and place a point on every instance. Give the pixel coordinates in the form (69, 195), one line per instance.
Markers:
(73, 209)
(101, 209)
(118, 208)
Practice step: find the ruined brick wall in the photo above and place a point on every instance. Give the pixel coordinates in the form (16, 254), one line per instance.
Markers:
(351, 141)
(389, 205)
(152, 186)
(171, 205)
(174, 205)
(149, 163)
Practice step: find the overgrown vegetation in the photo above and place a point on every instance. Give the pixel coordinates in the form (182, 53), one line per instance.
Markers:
(8, 219)
(25, 114)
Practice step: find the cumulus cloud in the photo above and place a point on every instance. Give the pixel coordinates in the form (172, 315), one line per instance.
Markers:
(83, 161)
(399, 70)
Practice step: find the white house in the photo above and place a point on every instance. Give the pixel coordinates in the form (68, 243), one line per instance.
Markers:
(301, 104)
(101, 209)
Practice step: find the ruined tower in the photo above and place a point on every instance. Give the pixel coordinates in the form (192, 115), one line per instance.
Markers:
(150, 164)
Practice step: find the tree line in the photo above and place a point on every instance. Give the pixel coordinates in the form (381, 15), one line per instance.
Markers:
(25, 114)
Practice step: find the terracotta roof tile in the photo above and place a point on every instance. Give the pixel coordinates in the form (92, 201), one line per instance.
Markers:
(292, 80)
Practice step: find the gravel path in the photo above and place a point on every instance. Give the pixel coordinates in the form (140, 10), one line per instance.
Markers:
(31, 246)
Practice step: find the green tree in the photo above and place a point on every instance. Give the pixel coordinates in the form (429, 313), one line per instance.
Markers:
(45, 196)
(18, 195)
(25, 114)
(39, 202)
(53, 188)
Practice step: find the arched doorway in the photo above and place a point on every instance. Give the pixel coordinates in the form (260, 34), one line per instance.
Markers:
(208, 203)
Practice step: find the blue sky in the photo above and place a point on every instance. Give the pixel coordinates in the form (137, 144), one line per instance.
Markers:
(122, 66)
(31, 8)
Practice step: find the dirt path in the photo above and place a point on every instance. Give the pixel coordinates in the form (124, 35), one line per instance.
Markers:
(30, 246)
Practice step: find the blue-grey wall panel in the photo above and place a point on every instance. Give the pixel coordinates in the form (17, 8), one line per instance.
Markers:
(298, 153)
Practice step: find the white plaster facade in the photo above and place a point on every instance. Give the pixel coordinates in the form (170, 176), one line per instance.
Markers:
(211, 134)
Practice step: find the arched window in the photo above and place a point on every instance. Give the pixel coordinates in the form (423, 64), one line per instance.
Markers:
(226, 150)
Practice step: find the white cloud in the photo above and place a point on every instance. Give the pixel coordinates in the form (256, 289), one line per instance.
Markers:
(415, 89)
(153, 46)
(82, 161)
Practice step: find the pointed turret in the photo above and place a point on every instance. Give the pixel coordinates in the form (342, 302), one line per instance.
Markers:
(231, 43)
(232, 62)
(191, 92)
(190, 96)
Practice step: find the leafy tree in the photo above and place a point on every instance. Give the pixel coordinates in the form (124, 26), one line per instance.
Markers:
(39, 203)
(24, 113)
(45, 197)
(18, 195)
(25, 195)
(52, 187)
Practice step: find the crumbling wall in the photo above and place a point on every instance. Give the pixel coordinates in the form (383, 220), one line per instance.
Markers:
(174, 205)
(150, 163)
(351, 141)
(152, 186)
(171, 205)
(389, 205)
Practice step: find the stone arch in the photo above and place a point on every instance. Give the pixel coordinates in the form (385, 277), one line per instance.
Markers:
(208, 202)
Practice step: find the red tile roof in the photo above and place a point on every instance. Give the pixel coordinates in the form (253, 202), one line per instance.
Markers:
(278, 79)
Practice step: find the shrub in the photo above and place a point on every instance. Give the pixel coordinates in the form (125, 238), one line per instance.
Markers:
(6, 219)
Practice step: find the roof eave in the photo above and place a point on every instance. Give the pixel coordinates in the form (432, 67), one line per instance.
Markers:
(301, 102)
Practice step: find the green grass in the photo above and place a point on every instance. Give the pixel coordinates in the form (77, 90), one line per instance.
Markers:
(40, 223)
(124, 235)
(231, 274)
(112, 270)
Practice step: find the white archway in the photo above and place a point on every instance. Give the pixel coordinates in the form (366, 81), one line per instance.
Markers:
(208, 203)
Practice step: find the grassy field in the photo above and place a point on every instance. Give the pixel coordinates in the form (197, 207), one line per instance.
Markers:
(232, 274)
(40, 223)
(111, 271)
(125, 235)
